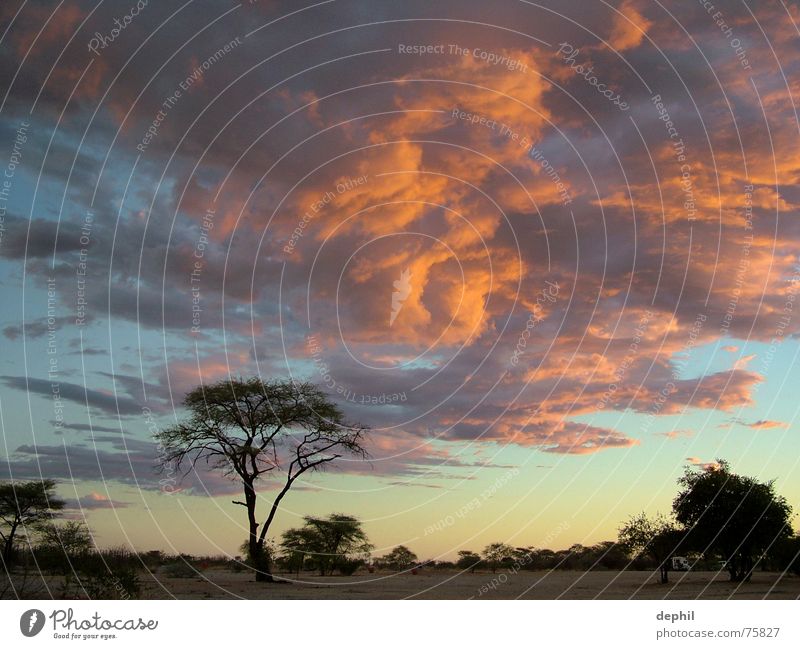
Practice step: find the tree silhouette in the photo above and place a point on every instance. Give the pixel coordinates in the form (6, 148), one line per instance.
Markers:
(401, 558)
(468, 560)
(496, 553)
(23, 506)
(336, 542)
(73, 537)
(734, 515)
(656, 537)
(251, 429)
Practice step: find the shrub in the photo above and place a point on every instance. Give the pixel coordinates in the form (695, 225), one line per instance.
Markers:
(123, 583)
(179, 570)
(348, 566)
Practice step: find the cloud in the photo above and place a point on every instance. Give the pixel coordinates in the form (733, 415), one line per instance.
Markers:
(677, 434)
(743, 362)
(40, 327)
(107, 402)
(38, 238)
(399, 483)
(767, 423)
(581, 440)
(479, 224)
(628, 28)
(112, 459)
(94, 500)
(88, 428)
(695, 461)
(133, 462)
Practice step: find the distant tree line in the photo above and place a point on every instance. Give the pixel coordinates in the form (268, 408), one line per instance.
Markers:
(720, 521)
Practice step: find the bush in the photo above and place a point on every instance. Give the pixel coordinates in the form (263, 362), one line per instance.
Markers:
(123, 583)
(443, 565)
(237, 565)
(348, 566)
(179, 570)
(106, 574)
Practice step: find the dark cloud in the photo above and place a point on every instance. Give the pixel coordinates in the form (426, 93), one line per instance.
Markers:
(80, 394)
(85, 428)
(36, 238)
(115, 460)
(40, 327)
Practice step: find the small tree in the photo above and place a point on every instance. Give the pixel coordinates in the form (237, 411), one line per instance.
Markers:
(251, 429)
(496, 554)
(337, 542)
(60, 545)
(468, 560)
(401, 558)
(523, 558)
(73, 538)
(736, 516)
(296, 545)
(23, 507)
(657, 538)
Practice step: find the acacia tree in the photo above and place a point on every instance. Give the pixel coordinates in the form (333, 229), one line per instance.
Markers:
(401, 558)
(251, 429)
(338, 541)
(497, 553)
(736, 516)
(24, 506)
(295, 545)
(657, 538)
(468, 560)
(60, 544)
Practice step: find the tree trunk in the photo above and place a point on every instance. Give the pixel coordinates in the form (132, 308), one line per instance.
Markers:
(738, 569)
(259, 557)
(262, 561)
(664, 570)
(8, 548)
(748, 562)
(262, 565)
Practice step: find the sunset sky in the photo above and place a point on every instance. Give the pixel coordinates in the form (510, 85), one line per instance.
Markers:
(546, 288)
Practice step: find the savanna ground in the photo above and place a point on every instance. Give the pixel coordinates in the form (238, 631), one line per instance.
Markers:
(562, 584)
(222, 583)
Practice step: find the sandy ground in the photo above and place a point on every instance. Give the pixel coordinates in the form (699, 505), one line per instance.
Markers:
(223, 584)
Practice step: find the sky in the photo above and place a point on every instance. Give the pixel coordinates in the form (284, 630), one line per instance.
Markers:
(547, 252)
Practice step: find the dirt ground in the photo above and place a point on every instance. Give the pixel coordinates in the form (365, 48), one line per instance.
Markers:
(223, 584)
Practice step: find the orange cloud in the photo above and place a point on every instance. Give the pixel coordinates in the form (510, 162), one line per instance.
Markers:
(628, 27)
(677, 434)
(767, 423)
(695, 461)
